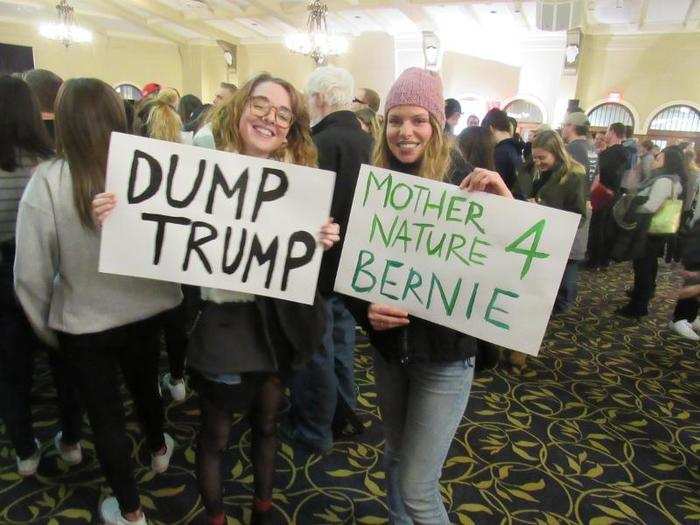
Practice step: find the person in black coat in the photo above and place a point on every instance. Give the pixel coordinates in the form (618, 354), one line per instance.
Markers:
(323, 393)
(508, 153)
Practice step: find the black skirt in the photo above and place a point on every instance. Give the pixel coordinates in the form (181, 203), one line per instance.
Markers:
(231, 338)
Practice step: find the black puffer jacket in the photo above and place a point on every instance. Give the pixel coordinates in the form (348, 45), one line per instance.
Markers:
(421, 341)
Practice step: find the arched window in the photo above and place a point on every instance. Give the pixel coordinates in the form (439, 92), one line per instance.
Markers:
(676, 118)
(524, 112)
(605, 114)
(128, 92)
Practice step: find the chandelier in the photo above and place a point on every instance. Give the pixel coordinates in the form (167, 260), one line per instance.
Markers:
(316, 42)
(65, 29)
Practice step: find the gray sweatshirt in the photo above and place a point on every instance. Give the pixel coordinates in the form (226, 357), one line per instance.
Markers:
(56, 277)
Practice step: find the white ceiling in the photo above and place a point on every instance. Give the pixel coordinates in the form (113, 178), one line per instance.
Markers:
(471, 23)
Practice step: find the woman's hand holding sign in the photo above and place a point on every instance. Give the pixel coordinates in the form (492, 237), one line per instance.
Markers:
(384, 317)
(330, 234)
(486, 180)
(102, 206)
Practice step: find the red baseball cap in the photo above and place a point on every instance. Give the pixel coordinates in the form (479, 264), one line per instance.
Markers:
(150, 88)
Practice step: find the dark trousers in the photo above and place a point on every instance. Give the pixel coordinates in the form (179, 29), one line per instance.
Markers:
(177, 325)
(645, 270)
(175, 328)
(18, 349)
(598, 243)
(326, 384)
(568, 289)
(95, 360)
(686, 309)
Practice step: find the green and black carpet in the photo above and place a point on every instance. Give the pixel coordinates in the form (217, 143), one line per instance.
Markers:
(603, 428)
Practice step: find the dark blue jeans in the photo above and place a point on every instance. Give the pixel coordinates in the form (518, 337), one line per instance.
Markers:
(568, 289)
(316, 387)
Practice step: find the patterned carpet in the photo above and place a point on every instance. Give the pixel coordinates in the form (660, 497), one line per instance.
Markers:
(603, 428)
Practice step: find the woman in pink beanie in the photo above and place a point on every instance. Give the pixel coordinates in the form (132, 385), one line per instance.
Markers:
(423, 371)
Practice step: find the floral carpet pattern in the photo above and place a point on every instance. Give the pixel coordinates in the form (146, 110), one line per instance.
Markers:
(602, 428)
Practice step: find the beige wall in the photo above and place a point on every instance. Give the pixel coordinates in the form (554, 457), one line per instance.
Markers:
(274, 59)
(188, 68)
(113, 60)
(648, 70)
(462, 74)
(370, 60)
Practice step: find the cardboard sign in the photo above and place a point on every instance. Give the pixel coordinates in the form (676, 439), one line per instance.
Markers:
(481, 264)
(216, 219)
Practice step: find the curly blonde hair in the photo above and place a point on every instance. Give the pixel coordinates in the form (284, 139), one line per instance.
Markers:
(298, 149)
(436, 160)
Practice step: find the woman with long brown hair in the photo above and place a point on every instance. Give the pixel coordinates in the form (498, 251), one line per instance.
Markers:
(24, 143)
(560, 182)
(423, 371)
(102, 322)
(244, 345)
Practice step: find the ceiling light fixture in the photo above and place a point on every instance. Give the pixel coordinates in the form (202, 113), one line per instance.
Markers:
(316, 42)
(65, 29)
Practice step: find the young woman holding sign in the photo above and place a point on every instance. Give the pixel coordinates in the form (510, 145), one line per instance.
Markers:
(243, 345)
(424, 371)
(101, 322)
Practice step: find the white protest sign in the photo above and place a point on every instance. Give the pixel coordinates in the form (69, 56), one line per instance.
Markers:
(481, 264)
(215, 219)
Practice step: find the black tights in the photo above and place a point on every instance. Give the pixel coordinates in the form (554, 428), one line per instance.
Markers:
(213, 438)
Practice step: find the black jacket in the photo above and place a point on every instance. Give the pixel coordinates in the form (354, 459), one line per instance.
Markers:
(342, 147)
(612, 163)
(507, 159)
(294, 329)
(421, 341)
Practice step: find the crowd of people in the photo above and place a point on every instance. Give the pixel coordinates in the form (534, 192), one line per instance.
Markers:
(239, 351)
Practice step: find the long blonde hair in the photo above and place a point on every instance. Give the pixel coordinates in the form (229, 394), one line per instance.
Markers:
(436, 159)
(87, 112)
(550, 141)
(298, 149)
(163, 121)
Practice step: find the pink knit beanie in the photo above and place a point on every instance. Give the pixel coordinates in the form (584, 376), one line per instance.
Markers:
(418, 87)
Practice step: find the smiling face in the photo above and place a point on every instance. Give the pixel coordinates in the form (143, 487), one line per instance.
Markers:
(544, 160)
(262, 136)
(408, 132)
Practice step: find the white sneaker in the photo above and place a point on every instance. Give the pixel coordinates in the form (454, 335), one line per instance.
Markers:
(177, 390)
(696, 324)
(684, 329)
(27, 467)
(112, 514)
(159, 464)
(74, 456)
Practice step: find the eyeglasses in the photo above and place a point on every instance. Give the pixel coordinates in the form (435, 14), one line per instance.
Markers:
(358, 101)
(261, 107)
